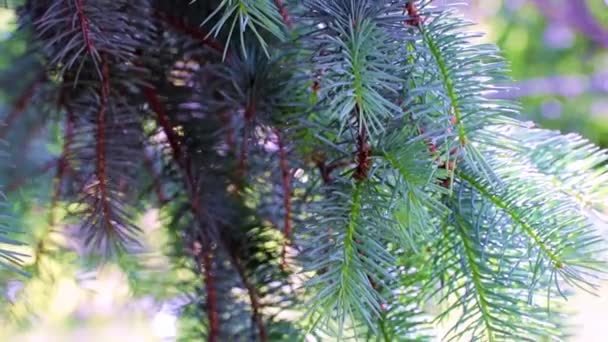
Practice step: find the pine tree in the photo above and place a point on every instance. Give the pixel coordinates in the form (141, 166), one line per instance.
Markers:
(325, 168)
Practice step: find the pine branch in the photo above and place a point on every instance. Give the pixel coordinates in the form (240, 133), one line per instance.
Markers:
(212, 309)
(253, 17)
(369, 145)
(498, 202)
(193, 31)
(195, 206)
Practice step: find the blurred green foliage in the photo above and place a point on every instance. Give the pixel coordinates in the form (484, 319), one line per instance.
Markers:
(540, 44)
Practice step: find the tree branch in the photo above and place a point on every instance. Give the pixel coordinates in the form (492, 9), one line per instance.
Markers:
(253, 297)
(100, 149)
(183, 163)
(84, 26)
(284, 13)
(192, 31)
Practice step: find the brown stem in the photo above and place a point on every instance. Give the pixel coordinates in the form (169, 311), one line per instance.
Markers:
(194, 32)
(363, 158)
(164, 122)
(180, 158)
(316, 86)
(286, 178)
(100, 149)
(195, 206)
(414, 16)
(449, 165)
(326, 169)
(284, 13)
(253, 298)
(212, 309)
(84, 25)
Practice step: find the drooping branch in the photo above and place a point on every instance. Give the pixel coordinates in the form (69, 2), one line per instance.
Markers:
(183, 163)
(204, 257)
(165, 124)
(181, 158)
(194, 32)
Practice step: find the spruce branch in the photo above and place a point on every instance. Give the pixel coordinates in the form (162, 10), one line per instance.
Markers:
(332, 183)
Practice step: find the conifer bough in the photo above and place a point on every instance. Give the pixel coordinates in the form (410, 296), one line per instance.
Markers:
(328, 168)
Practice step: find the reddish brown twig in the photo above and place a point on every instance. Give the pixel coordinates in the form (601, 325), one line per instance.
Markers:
(448, 164)
(165, 124)
(414, 16)
(326, 169)
(286, 180)
(100, 147)
(84, 25)
(211, 304)
(183, 162)
(194, 32)
(316, 86)
(284, 13)
(363, 157)
(253, 297)
(179, 156)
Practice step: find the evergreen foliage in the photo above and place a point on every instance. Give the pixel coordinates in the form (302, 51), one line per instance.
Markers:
(325, 168)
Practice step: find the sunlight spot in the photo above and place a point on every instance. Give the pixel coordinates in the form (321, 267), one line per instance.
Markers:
(164, 325)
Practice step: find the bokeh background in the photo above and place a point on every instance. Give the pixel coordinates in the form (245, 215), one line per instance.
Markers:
(558, 50)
